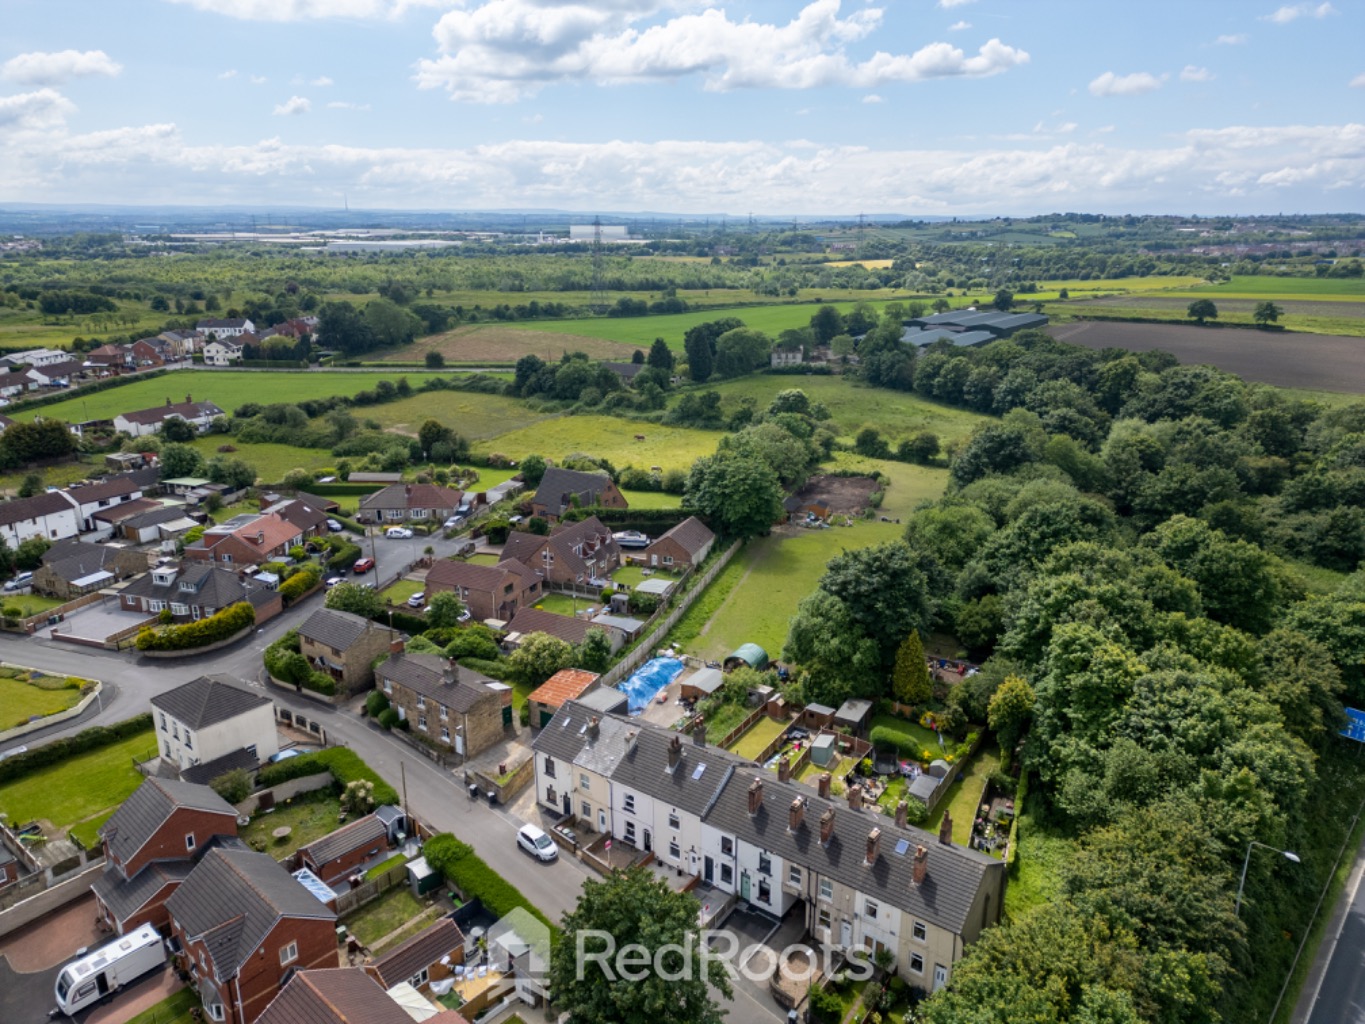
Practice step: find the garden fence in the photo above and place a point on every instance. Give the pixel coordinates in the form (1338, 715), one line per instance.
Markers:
(370, 889)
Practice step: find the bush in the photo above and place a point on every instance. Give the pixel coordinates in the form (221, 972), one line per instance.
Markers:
(302, 582)
(320, 682)
(230, 621)
(277, 653)
(463, 868)
(342, 762)
(376, 703)
(917, 813)
(492, 669)
(233, 786)
(94, 738)
(347, 554)
(388, 718)
(825, 1006)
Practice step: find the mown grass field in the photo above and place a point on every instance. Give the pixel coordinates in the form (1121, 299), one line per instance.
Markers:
(271, 461)
(82, 787)
(652, 499)
(606, 437)
(226, 388)
(29, 604)
(20, 701)
(29, 328)
(470, 414)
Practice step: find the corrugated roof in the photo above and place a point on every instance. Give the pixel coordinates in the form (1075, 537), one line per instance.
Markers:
(207, 701)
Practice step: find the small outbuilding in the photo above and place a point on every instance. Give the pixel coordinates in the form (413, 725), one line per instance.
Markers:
(822, 750)
(702, 683)
(853, 715)
(565, 685)
(750, 655)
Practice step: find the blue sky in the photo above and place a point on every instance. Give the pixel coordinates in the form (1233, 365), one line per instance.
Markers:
(829, 107)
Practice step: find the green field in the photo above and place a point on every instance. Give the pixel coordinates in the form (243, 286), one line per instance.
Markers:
(21, 701)
(227, 388)
(472, 415)
(271, 461)
(609, 438)
(851, 407)
(652, 499)
(1324, 289)
(490, 476)
(81, 787)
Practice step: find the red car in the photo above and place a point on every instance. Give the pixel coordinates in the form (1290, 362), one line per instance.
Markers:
(363, 566)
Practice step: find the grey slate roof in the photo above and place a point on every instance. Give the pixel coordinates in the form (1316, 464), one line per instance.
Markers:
(72, 559)
(154, 517)
(422, 950)
(203, 774)
(363, 832)
(558, 486)
(19, 509)
(212, 587)
(113, 487)
(137, 820)
(645, 770)
(425, 674)
(233, 898)
(336, 995)
(124, 898)
(334, 629)
(207, 701)
(604, 700)
(533, 620)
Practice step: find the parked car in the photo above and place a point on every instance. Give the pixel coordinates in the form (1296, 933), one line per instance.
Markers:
(21, 582)
(362, 566)
(334, 526)
(454, 522)
(417, 600)
(332, 581)
(534, 841)
(398, 533)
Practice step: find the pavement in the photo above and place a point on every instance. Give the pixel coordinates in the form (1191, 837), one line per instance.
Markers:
(1334, 991)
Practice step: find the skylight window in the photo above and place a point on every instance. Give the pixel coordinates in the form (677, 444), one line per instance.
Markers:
(902, 846)
(696, 773)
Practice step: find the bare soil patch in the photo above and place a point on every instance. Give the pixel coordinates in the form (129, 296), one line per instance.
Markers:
(839, 493)
(1322, 362)
(494, 343)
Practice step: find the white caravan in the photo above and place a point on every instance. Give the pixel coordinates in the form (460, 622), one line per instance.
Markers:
(86, 981)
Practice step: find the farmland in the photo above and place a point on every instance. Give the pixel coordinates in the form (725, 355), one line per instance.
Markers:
(609, 438)
(495, 343)
(472, 415)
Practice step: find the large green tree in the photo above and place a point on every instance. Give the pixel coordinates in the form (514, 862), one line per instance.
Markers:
(538, 657)
(837, 660)
(1202, 309)
(738, 495)
(635, 909)
(910, 683)
(353, 598)
(887, 589)
(443, 610)
(179, 460)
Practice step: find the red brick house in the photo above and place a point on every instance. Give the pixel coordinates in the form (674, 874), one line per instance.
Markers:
(687, 544)
(563, 489)
(151, 844)
(573, 554)
(341, 853)
(244, 925)
(488, 591)
(247, 540)
(428, 956)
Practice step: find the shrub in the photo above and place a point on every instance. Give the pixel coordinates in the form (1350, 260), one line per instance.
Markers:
(277, 652)
(916, 811)
(347, 554)
(301, 583)
(388, 718)
(320, 682)
(463, 868)
(883, 737)
(94, 738)
(230, 621)
(492, 669)
(233, 786)
(376, 703)
(342, 762)
(825, 1006)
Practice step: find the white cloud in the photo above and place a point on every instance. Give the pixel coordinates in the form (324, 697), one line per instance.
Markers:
(505, 50)
(309, 10)
(259, 79)
(1139, 82)
(1105, 129)
(948, 5)
(959, 26)
(293, 105)
(1359, 81)
(39, 109)
(1293, 12)
(230, 73)
(1190, 73)
(342, 105)
(873, 98)
(1236, 39)
(56, 68)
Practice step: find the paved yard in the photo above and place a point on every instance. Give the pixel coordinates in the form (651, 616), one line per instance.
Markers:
(97, 621)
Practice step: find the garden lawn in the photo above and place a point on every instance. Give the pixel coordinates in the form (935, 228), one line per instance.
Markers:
(758, 737)
(228, 389)
(561, 604)
(310, 815)
(605, 437)
(964, 796)
(180, 1007)
(926, 738)
(652, 499)
(485, 558)
(30, 604)
(60, 474)
(80, 787)
(631, 575)
(272, 462)
(1035, 877)
(399, 592)
(21, 701)
(721, 719)
(491, 476)
(387, 914)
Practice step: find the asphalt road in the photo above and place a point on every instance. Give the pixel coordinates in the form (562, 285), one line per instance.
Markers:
(1341, 997)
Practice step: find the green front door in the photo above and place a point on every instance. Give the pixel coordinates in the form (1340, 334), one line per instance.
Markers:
(507, 716)
(744, 887)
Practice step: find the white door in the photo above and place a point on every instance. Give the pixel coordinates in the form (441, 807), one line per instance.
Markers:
(845, 933)
(602, 822)
(940, 976)
(459, 743)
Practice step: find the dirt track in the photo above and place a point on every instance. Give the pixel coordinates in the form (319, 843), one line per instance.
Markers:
(1322, 362)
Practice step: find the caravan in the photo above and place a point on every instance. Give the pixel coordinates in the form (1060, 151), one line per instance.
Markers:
(86, 981)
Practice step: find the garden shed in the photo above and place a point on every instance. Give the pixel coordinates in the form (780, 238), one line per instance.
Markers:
(822, 750)
(852, 715)
(658, 587)
(752, 655)
(817, 716)
(702, 683)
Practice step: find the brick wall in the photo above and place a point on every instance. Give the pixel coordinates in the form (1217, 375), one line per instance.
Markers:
(169, 841)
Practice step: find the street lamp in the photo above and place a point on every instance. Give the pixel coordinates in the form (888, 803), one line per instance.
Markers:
(1287, 855)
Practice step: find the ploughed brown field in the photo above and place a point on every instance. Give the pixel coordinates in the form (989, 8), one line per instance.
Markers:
(1320, 362)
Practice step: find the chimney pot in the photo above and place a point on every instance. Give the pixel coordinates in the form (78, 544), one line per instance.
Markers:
(699, 732)
(397, 645)
(796, 814)
(945, 830)
(874, 845)
(855, 797)
(826, 825)
(674, 752)
(822, 787)
(920, 867)
(755, 796)
(593, 727)
(784, 770)
(902, 814)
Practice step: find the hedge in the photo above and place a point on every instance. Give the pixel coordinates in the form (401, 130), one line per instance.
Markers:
(653, 516)
(342, 762)
(402, 621)
(94, 738)
(492, 669)
(301, 583)
(346, 556)
(219, 626)
(476, 880)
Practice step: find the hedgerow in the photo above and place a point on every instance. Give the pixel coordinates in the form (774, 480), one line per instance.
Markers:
(231, 620)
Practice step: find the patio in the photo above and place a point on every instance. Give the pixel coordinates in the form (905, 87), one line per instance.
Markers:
(94, 623)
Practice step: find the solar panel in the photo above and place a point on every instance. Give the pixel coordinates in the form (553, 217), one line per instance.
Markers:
(696, 773)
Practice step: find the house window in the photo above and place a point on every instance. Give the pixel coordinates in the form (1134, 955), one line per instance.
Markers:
(163, 721)
(443, 712)
(916, 963)
(186, 585)
(155, 606)
(189, 740)
(175, 731)
(216, 1011)
(227, 558)
(727, 846)
(668, 559)
(727, 874)
(765, 891)
(871, 908)
(179, 609)
(549, 766)
(822, 919)
(673, 819)
(630, 832)
(445, 734)
(628, 803)
(826, 890)
(419, 979)
(421, 721)
(289, 954)
(189, 841)
(251, 749)
(388, 686)
(673, 849)
(421, 702)
(919, 931)
(765, 864)
(584, 782)
(587, 811)
(794, 877)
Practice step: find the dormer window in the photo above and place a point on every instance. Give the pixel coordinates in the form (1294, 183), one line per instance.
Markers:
(186, 585)
(163, 579)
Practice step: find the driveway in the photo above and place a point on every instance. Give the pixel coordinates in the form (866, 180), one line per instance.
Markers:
(756, 942)
(94, 622)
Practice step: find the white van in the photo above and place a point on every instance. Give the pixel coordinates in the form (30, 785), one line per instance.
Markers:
(86, 981)
(535, 842)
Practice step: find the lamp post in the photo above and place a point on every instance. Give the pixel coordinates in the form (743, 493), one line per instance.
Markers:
(1287, 855)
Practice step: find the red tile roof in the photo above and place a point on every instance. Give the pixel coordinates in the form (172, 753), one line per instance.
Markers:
(566, 684)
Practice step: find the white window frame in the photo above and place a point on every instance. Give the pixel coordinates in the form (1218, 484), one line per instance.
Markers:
(289, 953)
(794, 876)
(674, 822)
(584, 782)
(917, 963)
(628, 803)
(189, 840)
(919, 931)
(870, 908)
(827, 890)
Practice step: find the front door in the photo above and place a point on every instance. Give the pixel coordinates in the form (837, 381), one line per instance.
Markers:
(649, 841)
(568, 805)
(507, 717)
(602, 822)
(940, 976)
(744, 886)
(708, 870)
(845, 933)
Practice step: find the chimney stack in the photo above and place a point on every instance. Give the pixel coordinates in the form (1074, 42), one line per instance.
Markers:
(448, 673)
(826, 825)
(945, 830)
(920, 868)
(699, 733)
(755, 796)
(593, 728)
(630, 741)
(855, 797)
(397, 645)
(902, 814)
(796, 814)
(784, 770)
(674, 752)
(822, 787)
(874, 845)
